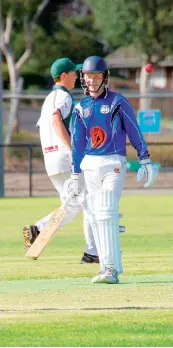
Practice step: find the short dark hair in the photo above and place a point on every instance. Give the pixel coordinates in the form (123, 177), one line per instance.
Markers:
(57, 79)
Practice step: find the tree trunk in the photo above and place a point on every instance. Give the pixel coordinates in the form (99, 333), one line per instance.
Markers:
(13, 121)
(13, 72)
(145, 87)
(19, 87)
(13, 75)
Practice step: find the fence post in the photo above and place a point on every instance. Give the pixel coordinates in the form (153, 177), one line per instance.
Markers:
(1, 129)
(30, 168)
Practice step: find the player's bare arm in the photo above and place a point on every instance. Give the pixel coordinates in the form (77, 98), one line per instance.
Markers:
(60, 129)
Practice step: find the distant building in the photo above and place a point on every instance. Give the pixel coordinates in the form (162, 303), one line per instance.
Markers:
(126, 62)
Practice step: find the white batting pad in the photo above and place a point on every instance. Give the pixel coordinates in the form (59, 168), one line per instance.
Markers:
(106, 214)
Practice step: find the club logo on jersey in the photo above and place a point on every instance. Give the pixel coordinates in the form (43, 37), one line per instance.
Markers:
(98, 137)
(116, 170)
(86, 112)
(104, 109)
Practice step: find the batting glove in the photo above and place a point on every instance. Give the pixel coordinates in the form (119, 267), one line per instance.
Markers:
(74, 184)
(147, 172)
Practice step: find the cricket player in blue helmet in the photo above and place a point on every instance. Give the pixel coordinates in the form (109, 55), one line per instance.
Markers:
(99, 125)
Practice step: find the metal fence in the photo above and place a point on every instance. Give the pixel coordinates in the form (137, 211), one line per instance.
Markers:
(24, 172)
(30, 106)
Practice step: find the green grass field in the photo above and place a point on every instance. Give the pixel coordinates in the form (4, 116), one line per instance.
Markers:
(52, 302)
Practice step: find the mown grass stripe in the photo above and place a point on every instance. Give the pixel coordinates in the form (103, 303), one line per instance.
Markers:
(72, 283)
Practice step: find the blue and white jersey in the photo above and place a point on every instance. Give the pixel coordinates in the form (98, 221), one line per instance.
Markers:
(99, 127)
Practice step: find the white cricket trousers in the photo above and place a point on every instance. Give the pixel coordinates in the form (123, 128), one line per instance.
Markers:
(104, 178)
(104, 173)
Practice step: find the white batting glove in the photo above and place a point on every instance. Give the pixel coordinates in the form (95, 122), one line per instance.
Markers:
(74, 184)
(147, 172)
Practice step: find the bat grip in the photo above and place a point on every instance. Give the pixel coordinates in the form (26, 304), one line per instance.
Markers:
(68, 199)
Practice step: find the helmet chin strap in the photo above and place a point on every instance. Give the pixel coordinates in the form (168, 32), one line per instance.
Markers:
(97, 89)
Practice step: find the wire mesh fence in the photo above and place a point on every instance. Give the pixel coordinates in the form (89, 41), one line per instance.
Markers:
(24, 172)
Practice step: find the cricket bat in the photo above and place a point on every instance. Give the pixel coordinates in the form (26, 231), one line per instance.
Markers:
(48, 231)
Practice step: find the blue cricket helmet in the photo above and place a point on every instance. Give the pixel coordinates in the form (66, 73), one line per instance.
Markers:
(94, 64)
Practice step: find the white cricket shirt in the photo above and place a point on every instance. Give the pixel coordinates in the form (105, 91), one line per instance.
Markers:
(56, 154)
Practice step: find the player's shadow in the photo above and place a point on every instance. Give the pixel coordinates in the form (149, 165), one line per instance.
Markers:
(128, 308)
(125, 308)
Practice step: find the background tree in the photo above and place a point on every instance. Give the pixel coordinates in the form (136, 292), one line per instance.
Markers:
(20, 21)
(72, 34)
(147, 24)
(18, 16)
(31, 28)
(74, 38)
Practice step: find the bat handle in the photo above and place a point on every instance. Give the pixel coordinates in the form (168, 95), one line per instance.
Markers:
(68, 199)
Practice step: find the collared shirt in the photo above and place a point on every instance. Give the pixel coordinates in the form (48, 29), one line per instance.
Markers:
(99, 127)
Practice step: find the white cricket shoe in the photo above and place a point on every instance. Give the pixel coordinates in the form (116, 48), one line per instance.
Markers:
(97, 278)
(110, 276)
